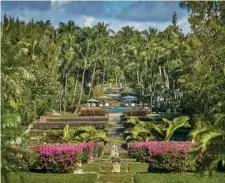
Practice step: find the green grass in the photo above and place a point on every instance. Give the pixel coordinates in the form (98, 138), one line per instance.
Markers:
(177, 178)
(113, 140)
(138, 167)
(115, 178)
(24, 177)
(91, 167)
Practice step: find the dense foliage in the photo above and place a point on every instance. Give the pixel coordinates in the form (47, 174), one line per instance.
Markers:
(44, 68)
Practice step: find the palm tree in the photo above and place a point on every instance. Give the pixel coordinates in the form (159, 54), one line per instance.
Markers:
(14, 71)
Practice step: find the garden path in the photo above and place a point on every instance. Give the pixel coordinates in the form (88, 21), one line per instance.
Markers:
(115, 133)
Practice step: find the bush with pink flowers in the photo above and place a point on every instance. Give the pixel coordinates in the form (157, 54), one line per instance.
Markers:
(61, 158)
(163, 156)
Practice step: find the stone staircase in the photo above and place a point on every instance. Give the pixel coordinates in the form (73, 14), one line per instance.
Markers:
(115, 130)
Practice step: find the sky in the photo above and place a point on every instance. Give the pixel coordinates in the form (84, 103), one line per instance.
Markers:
(138, 14)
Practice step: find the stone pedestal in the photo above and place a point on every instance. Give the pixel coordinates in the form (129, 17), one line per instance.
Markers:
(116, 167)
(78, 168)
(114, 156)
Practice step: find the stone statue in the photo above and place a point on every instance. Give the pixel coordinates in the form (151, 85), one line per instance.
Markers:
(114, 156)
(114, 151)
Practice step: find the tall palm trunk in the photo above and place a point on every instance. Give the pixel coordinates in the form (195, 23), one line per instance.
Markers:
(173, 96)
(167, 84)
(75, 90)
(116, 80)
(160, 70)
(92, 80)
(138, 79)
(60, 100)
(82, 85)
(65, 95)
(103, 77)
(151, 98)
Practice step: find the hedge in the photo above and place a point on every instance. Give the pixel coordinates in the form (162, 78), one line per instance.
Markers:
(28, 177)
(130, 112)
(61, 125)
(93, 112)
(56, 119)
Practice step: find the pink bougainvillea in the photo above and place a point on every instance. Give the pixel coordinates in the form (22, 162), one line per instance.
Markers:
(157, 147)
(62, 158)
(163, 155)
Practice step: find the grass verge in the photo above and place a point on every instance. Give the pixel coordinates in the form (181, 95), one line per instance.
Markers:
(177, 178)
(138, 167)
(26, 177)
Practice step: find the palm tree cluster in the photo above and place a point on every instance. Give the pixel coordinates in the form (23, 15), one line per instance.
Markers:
(45, 68)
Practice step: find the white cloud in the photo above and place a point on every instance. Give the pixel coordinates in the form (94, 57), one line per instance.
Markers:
(59, 2)
(58, 14)
(184, 24)
(116, 24)
(89, 21)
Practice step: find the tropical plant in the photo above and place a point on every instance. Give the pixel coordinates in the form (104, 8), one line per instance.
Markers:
(79, 134)
(144, 131)
(165, 130)
(209, 136)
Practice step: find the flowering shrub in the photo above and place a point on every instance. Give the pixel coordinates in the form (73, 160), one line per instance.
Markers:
(93, 112)
(163, 156)
(62, 158)
(136, 112)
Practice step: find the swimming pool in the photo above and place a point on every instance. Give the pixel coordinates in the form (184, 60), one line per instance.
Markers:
(119, 109)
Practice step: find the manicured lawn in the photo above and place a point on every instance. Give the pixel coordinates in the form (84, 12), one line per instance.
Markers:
(106, 167)
(113, 140)
(138, 167)
(91, 167)
(115, 178)
(24, 177)
(177, 178)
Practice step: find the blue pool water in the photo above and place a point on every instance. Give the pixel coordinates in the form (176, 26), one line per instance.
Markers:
(118, 109)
